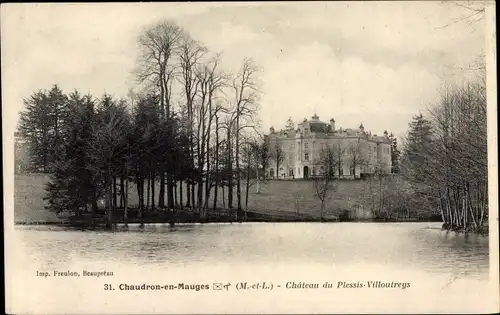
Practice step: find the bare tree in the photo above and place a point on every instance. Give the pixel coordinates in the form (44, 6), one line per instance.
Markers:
(249, 152)
(159, 46)
(324, 182)
(278, 156)
(451, 167)
(228, 125)
(210, 82)
(263, 160)
(244, 103)
(355, 156)
(253, 148)
(377, 182)
(461, 153)
(340, 150)
(190, 55)
(216, 155)
(471, 12)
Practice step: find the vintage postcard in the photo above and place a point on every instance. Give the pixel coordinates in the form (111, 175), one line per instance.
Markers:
(248, 158)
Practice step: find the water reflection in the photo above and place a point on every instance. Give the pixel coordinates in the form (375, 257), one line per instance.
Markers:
(414, 246)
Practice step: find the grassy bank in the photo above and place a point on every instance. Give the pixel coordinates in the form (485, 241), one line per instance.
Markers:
(278, 200)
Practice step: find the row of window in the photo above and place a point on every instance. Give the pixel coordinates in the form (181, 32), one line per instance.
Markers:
(385, 150)
(324, 145)
(306, 147)
(306, 155)
(313, 171)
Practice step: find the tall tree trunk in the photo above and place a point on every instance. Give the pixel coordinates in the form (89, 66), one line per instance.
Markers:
(148, 192)
(161, 198)
(207, 185)
(193, 202)
(322, 209)
(125, 202)
(238, 173)
(471, 207)
(122, 191)
(109, 197)
(257, 183)
(200, 194)
(216, 190)
(216, 169)
(230, 171)
(162, 89)
(153, 183)
(176, 204)
(442, 208)
(208, 177)
(200, 154)
(450, 213)
(223, 198)
(140, 187)
(181, 197)
(193, 176)
(170, 191)
(188, 194)
(484, 203)
(115, 195)
(247, 188)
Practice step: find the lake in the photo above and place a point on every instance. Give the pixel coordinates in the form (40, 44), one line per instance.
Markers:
(445, 271)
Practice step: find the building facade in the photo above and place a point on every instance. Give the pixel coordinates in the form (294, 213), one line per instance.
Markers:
(299, 150)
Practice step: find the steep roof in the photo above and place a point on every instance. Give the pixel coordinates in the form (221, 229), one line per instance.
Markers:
(318, 126)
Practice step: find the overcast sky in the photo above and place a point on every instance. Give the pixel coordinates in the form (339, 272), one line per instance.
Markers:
(376, 63)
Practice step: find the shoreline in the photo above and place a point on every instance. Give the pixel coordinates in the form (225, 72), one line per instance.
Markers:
(103, 225)
(276, 220)
(186, 218)
(191, 216)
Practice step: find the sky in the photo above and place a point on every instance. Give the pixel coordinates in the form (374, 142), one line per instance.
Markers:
(378, 63)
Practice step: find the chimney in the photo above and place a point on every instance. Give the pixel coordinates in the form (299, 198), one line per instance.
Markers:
(332, 124)
(361, 127)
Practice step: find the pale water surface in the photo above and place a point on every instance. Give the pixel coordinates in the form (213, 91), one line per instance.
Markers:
(419, 253)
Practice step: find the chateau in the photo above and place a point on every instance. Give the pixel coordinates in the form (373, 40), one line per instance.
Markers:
(361, 153)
